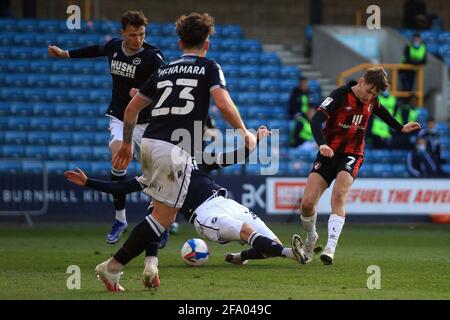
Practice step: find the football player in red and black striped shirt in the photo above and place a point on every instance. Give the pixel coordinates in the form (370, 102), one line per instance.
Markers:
(346, 113)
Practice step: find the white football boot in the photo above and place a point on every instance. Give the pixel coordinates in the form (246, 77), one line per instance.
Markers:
(151, 276)
(297, 248)
(110, 279)
(327, 256)
(309, 248)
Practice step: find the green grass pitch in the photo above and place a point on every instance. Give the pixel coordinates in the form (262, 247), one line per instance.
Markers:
(414, 262)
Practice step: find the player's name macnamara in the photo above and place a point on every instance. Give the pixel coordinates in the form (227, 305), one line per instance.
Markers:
(182, 69)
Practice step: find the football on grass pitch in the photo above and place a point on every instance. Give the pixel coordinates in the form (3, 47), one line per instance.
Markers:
(195, 252)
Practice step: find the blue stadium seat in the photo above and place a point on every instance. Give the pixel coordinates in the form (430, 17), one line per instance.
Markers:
(4, 66)
(36, 152)
(249, 58)
(45, 39)
(78, 95)
(168, 29)
(269, 85)
(90, 40)
(400, 171)
(24, 40)
(8, 25)
(42, 66)
(233, 84)
(21, 109)
(101, 153)
(21, 53)
(63, 123)
(38, 137)
(34, 95)
(64, 66)
(12, 151)
(100, 96)
(16, 80)
(18, 66)
(5, 109)
(40, 123)
(83, 66)
(249, 71)
(366, 171)
(51, 26)
(270, 58)
(231, 71)
(154, 29)
(249, 85)
(57, 167)
(65, 109)
(19, 123)
(83, 81)
(247, 98)
(102, 123)
(56, 95)
(34, 167)
(288, 84)
(168, 43)
(38, 80)
(58, 153)
(63, 138)
(289, 72)
(10, 166)
(59, 81)
(382, 170)
(268, 99)
(90, 110)
(43, 109)
(80, 152)
(27, 25)
(231, 31)
(111, 27)
(250, 45)
(101, 168)
(85, 123)
(4, 53)
(102, 81)
(7, 39)
(15, 137)
(84, 137)
(229, 45)
(101, 138)
(68, 40)
(229, 58)
(270, 71)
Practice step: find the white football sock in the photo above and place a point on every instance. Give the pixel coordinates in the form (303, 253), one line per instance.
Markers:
(335, 225)
(309, 224)
(287, 252)
(151, 260)
(120, 215)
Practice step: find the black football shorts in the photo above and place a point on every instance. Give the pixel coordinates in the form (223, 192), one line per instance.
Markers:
(329, 168)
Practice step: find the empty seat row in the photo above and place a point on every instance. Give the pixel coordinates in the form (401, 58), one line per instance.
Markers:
(23, 80)
(56, 95)
(52, 109)
(92, 168)
(98, 26)
(61, 124)
(54, 138)
(59, 152)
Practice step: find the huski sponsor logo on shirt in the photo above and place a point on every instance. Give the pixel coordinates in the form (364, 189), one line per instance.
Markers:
(123, 69)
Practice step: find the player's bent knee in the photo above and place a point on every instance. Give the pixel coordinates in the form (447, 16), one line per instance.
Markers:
(246, 231)
(307, 206)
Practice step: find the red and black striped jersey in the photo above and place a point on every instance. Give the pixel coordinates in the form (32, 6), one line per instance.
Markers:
(347, 120)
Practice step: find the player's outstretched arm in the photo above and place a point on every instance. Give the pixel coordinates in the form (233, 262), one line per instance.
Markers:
(316, 127)
(57, 52)
(231, 115)
(410, 127)
(124, 155)
(239, 155)
(114, 187)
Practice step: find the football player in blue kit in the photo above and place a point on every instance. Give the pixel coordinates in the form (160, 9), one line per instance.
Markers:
(132, 61)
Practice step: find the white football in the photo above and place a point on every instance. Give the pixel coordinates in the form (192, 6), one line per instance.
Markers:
(195, 252)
